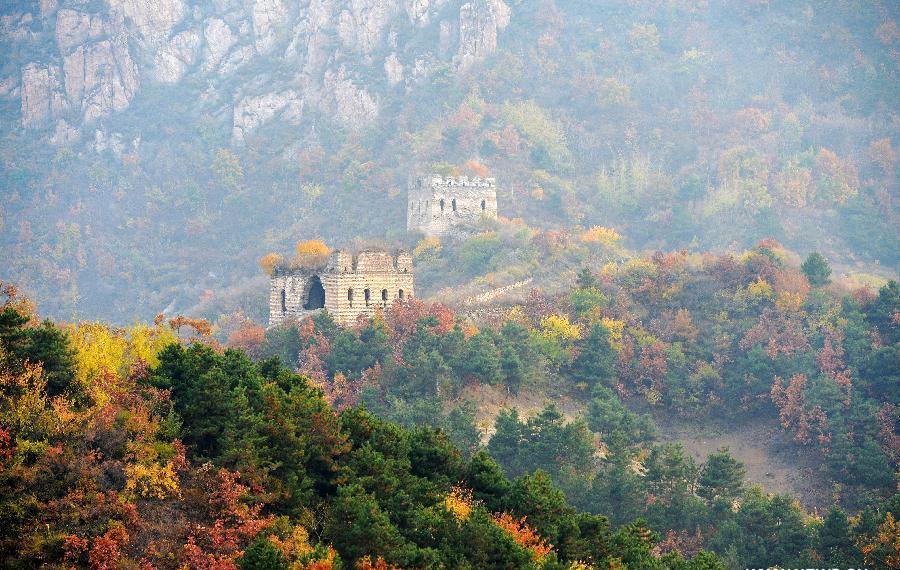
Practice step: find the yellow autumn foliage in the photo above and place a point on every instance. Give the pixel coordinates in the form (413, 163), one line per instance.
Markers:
(601, 235)
(788, 301)
(145, 342)
(428, 248)
(269, 262)
(101, 349)
(311, 247)
(459, 503)
(23, 402)
(760, 289)
(609, 269)
(884, 547)
(560, 328)
(151, 481)
(295, 546)
(616, 330)
(310, 253)
(98, 349)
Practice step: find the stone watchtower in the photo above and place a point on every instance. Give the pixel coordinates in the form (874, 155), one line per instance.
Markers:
(439, 206)
(347, 286)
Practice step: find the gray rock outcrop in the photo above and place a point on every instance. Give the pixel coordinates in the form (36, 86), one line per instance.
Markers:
(338, 58)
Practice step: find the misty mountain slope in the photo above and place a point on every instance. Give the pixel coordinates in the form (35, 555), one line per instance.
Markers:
(153, 151)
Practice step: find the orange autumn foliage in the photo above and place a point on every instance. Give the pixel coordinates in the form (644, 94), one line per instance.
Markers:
(883, 550)
(201, 327)
(523, 535)
(379, 564)
(476, 168)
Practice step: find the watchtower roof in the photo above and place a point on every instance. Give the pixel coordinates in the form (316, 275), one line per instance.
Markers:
(437, 181)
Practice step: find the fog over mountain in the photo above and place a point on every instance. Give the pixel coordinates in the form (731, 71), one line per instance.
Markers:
(153, 151)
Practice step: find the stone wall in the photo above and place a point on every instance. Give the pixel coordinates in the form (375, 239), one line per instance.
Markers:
(352, 285)
(287, 294)
(441, 206)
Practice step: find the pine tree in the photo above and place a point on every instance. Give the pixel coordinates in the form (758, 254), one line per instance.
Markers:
(595, 363)
(721, 477)
(816, 269)
(263, 555)
(49, 345)
(505, 445)
(835, 542)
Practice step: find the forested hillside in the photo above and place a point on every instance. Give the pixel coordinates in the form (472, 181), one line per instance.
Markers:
(155, 446)
(748, 339)
(142, 448)
(151, 156)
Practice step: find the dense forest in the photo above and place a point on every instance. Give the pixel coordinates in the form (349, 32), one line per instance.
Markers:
(746, 338)
(156, 447)
(699, 125)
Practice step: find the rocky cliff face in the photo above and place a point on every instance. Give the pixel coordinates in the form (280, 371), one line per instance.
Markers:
(78, 61)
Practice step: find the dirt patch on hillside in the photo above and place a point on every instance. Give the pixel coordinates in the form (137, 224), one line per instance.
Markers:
(769, 457)
(489, 400)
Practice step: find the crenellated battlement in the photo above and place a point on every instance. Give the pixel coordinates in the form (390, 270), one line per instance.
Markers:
(437, 181)
(369, 261)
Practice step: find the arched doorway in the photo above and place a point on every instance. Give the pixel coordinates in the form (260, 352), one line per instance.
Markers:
(315, 299)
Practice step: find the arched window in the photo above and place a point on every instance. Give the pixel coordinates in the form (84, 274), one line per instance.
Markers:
(350, 296)
(366, 294)
(315, 299)
(442, 204)
(453, 204)
(401, 294)
(283, 301)
(384, 295)
(483, 205)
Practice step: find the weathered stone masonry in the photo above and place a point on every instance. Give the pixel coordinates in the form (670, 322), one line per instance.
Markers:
(348, 286)
(441, 206)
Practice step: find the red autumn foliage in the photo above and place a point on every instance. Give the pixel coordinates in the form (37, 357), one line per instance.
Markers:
(653, 366)
(783, 332)
(314, 347)
(790, 403)
(444, 316)
(7, 448)
(106, 550)
(236, 523)
(402, 318)
(247, 337)
(830, 361)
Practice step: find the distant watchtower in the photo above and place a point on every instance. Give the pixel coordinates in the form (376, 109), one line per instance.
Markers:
(347, 286)
(439, 206)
